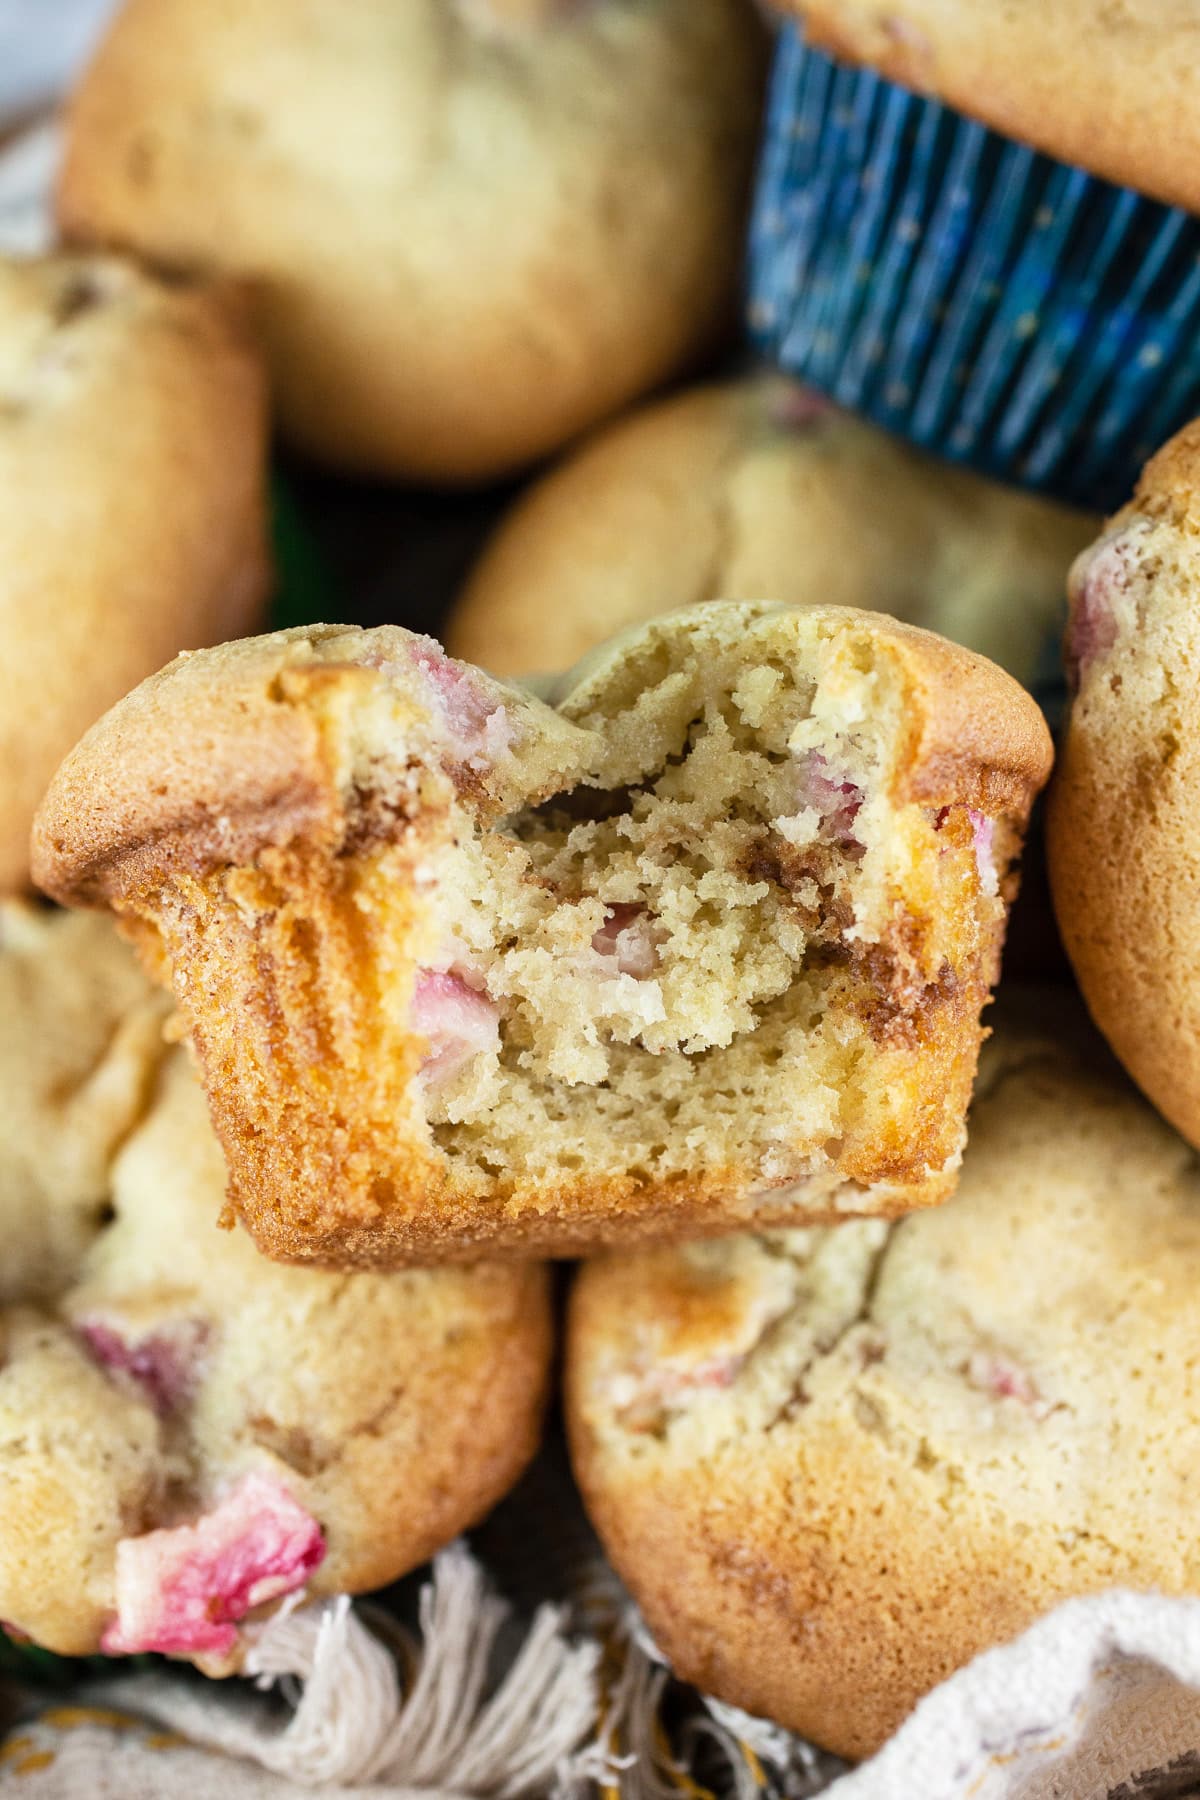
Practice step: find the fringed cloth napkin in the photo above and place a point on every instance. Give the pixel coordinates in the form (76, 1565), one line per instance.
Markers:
(557, 1692)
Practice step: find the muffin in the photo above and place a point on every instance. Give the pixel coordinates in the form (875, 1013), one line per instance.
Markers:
(974, 225)
(452, 213)
(758, 487)
(1120, 821)
(190, 1433)
(133, 508)
(833, 1466)
(81, 1037)
(708, 941)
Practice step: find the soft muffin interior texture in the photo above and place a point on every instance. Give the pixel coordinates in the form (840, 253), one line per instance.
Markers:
(693, 956)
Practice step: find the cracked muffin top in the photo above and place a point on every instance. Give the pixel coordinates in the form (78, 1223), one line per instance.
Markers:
(187, 1431)
(80, 1040)
(834, 1465)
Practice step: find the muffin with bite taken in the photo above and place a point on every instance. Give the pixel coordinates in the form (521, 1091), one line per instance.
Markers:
(706, 941)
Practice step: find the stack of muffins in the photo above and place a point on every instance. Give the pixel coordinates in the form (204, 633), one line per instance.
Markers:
(389, 961)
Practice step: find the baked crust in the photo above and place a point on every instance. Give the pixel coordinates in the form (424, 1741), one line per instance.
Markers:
(1120, 818)
(262, 763)
(320, 157)
(1094, 85)
(832, 1467)
(151, 1362)
(248, 748)
(224, 812)
(124, 546)
(756, 487)
(81, 1038)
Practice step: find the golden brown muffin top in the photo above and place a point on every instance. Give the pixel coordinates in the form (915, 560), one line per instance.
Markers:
(1106, 87)
(256, 743)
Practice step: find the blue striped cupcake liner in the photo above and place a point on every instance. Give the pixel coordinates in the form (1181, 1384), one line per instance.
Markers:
(989, 303)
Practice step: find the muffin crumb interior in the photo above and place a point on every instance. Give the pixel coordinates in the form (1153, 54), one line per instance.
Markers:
(737, 887)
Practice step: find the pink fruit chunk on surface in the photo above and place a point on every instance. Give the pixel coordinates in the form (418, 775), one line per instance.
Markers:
(1098, 581)
(630, 937)
(458, 1020)
(479, 727)
(642, 1398)
(182, 1591)
(163, 1364)
(714, 1372)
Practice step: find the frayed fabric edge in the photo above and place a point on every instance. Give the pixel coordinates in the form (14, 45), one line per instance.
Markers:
(441, 1735)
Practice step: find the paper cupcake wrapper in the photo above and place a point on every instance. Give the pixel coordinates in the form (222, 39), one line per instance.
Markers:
(985, 301)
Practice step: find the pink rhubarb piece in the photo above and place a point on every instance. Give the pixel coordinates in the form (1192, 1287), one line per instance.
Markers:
(456, 1018)
(163, 1363)
(480, 728)
(830, 792)
(629, 936)
(983, 831)
(181, 1592)
(651, 1391)
(1096, 584)
(1002, 1378)
(714, 1372)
